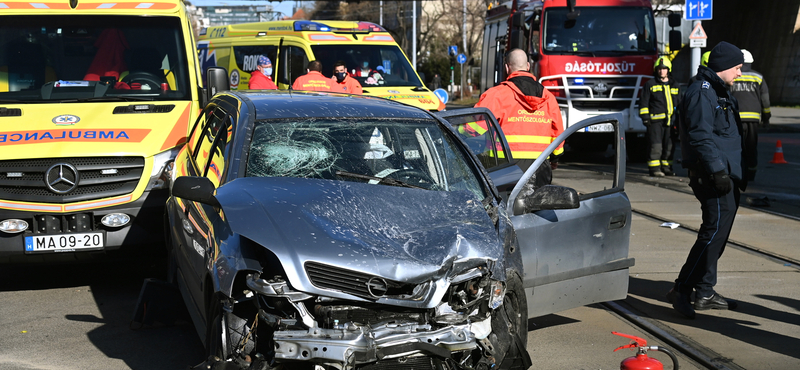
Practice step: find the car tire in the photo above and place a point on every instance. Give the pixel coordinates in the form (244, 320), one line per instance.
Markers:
(510, 327)
(172, 262)
(217, 346)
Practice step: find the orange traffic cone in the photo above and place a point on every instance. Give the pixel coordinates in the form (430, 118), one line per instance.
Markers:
(778, 156)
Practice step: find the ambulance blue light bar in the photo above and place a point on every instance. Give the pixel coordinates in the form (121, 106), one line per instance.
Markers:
(310, 26)
(361, 27)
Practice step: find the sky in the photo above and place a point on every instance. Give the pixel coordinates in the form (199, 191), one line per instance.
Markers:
(284, 7)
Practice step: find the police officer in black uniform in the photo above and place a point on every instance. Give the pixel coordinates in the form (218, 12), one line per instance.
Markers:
(657, 105)
(711, 145)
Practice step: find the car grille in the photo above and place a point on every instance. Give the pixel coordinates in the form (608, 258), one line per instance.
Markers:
(24, 179)
(351, 282)
(405, 363)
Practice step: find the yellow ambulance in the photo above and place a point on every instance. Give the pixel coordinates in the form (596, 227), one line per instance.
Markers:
(369, 52)
(96, 98)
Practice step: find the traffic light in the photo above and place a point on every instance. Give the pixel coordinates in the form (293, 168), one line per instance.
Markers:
(452, 62)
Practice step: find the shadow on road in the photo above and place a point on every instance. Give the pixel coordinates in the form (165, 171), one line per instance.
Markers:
(742, 330)
(114, 282)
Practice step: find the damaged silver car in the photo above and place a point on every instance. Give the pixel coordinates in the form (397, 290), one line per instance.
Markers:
(341, 232)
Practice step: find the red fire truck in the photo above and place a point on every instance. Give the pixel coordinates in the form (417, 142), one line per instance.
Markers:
(593, 55)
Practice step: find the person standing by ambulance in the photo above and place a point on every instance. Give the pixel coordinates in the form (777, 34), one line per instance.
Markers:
(753, 95)
(314, 80)
(528, 114)
(261, 78)
(343, 81)
(712, 151)
(660, 96)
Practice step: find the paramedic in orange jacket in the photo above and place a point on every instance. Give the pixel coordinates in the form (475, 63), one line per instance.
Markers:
(343, 82)
(528, 114)
(314, 80)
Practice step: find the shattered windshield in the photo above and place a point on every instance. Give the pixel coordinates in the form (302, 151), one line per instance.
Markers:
(92, 58)
(599, 31)
(410, 152)
(371, 65)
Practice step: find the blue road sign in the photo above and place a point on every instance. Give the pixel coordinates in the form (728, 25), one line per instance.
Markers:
(442, 95)
(699, 10)
(461, 58)
(453, 50)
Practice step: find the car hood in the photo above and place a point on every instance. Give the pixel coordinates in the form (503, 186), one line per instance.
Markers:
(402, 234)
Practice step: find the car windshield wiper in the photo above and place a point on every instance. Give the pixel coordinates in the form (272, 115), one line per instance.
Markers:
(381, 180)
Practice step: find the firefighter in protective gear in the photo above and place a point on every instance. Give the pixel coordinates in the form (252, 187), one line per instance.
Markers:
(753, 95)
(528, 114)
(660, 97)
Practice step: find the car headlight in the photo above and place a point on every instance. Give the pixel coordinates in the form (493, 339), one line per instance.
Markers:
(163, 163)
(497, 291)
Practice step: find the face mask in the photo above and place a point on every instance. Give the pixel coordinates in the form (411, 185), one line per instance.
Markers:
(365, 65)
(267, 72)
(340, 76)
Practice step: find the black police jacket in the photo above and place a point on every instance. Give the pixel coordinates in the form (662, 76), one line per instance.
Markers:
(710, 128)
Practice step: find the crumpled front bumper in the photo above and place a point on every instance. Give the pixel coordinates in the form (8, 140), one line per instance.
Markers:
(358, 344)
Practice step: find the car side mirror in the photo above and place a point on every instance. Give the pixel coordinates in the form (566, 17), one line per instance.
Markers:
(195, 188)
(217, 81)
(547, 197)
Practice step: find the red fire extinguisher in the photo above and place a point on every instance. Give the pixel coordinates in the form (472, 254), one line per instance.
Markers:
(641, 361)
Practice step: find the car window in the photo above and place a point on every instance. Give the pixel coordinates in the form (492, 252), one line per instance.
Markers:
(296, 59)
(481, 138)
(386, 65)
(247, 56)
(197, 130)
(139, 58)
(205, 146)
(418, 152)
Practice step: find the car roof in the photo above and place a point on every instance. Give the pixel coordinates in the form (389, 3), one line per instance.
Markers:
(271, 104)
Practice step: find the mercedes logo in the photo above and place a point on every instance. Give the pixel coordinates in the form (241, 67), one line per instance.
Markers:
(61, 178)
(600, 88)
(377, 287)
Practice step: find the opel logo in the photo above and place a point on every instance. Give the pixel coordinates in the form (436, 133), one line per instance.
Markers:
(600, 88)
(377, 287)
(61, 178)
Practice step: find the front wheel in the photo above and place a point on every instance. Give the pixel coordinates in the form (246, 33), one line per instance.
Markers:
(510, 327)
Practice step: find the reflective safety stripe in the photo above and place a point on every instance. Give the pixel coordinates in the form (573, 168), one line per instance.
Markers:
(529, 139)
(644, 110)
(766, 110)
(665, 162)
(655, 88)
(675, 91)
(750, 115)
(658, 116)
(749, 78)
(655, 163)
(670, 107)
(478, 128)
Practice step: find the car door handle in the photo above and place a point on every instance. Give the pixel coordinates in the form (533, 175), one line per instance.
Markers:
(616, 222)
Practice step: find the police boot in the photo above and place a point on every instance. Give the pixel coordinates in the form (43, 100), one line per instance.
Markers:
(656, 172)
(667, 170)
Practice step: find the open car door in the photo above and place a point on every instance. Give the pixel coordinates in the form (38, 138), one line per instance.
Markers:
(574, 234)
(479, 129)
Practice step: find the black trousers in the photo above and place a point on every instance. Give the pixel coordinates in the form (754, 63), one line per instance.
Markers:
(750, 136)
(700, 270)
(659, 136)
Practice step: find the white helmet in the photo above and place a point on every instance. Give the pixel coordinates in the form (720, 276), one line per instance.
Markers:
(748, 58)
